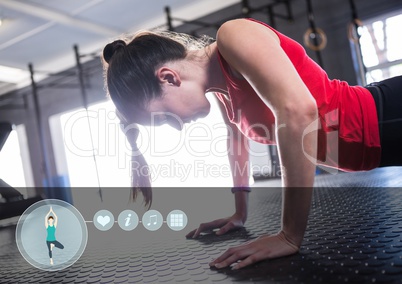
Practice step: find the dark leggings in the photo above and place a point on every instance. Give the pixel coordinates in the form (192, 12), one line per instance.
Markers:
(56, 244)
(387, 95)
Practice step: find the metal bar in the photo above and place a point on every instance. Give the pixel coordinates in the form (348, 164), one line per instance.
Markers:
(271, 17)
(58, 86)
(265, 8)
(357, 55)
(80, 74)
(92, 54)
(64, 74)
(169, 19)
(45, 169)
(311, 21)
(353, 8)
(58, 79)
(384, 65)
(310, 15)
(199, 23)
(289, 10)
(246, 10)
(81, 77)
(283, 17)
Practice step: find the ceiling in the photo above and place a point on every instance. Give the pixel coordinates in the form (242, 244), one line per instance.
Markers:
(43, 32)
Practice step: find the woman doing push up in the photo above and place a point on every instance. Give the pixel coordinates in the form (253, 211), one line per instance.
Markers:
(262, 78)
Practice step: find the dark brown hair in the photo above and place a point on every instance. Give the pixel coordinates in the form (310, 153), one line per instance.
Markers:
(131, 82)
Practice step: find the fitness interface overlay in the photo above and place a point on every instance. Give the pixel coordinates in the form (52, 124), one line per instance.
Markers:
(52, 234)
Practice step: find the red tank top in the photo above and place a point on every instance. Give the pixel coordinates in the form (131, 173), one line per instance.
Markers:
(348, 135)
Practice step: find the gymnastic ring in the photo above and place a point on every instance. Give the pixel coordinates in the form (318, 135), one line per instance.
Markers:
(312, 46)
(355, 23)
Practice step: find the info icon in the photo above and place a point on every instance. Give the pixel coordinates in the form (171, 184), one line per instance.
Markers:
(128, 220)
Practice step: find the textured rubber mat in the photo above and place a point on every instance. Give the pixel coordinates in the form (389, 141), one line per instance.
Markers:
(354, 236)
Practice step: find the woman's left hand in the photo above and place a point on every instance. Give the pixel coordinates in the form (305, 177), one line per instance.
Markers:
(264, 247)
(225, 225)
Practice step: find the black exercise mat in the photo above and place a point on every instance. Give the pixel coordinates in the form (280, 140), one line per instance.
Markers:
(354, 236)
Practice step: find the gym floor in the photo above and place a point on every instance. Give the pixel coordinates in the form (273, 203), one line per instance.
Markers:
(354, 235)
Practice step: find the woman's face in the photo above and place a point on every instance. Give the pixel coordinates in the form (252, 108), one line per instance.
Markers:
(179, 105)
(51, 221)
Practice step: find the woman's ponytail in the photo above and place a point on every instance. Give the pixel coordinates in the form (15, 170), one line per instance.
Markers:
(140, 174)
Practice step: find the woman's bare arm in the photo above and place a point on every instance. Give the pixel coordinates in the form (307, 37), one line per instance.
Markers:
(254, 51)
(239, 160)
(55, 218)
(237, 145)
(47, 216)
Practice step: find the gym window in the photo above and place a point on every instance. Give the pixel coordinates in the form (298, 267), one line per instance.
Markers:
(381, 47)
(168, 152)
(15, 165)
(74, 159)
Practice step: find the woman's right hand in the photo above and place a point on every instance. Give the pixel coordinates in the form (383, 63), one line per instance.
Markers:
(236, 221)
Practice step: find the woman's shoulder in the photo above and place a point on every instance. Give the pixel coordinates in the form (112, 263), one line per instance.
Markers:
(243, 27)
(244, 36)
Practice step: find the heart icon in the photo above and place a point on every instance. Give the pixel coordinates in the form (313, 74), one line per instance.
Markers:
(103, 220)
